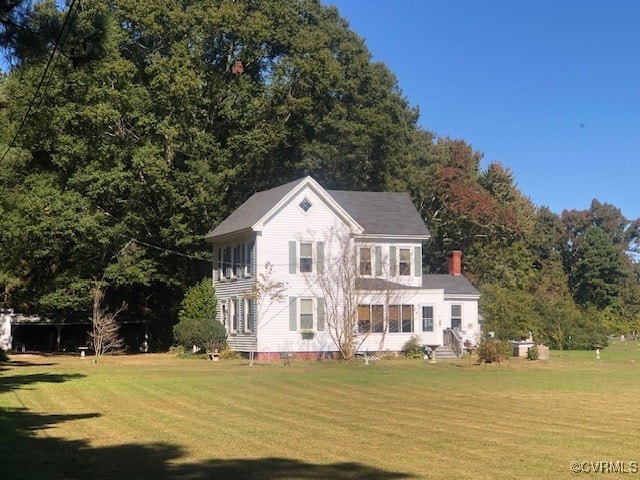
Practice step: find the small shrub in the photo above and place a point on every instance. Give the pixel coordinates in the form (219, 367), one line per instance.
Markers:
(493, 350)
(184, 353)
(230, 355)
(533, 353)
(197, 318)
(3, 356)
(413, 348)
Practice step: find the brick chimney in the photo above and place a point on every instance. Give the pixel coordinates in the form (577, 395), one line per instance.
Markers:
(455, 262)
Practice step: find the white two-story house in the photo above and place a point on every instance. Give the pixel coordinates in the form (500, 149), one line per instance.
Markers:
(334, 252)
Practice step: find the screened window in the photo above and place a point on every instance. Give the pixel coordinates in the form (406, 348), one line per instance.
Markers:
(306, 257)
(377, 317)
(365, 261)
(394, 318)
(427, 319)
(306, 313)
(405, 261)
(407, 318)
(400, 318)
(364, 318)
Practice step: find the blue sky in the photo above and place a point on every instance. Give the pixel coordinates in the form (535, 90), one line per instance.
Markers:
(550, 89)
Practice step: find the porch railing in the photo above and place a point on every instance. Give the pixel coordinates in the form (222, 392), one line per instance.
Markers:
(453, 339)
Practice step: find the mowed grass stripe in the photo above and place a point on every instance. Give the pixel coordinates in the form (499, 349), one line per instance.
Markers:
(449, 420)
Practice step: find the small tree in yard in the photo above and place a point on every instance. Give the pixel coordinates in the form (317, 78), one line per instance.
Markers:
(197, 323)
(344, 294)
(105, 329)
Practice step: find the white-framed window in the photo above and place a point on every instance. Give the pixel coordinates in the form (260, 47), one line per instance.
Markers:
(306, 257)
(249, 258)
(365, 261)
(237, 261)
(227, 261)
(427, 318)
(400, 318)
(370, 318)
(220, 265)
(456, 316)
(306, 314)
(225, 315)
(234, 315)
(248, 320)
(404, 261)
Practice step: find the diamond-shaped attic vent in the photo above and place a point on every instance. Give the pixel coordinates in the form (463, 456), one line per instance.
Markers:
(305, 204)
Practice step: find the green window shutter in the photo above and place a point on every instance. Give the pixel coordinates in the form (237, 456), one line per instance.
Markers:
(293, 314)
(293, 258)
(417, 261)
(378, 261)
(320, 314)
(320, 249)
(393, 263)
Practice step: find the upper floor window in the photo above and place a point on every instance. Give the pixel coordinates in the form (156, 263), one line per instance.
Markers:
(365, 261)
(236, 261)
(405, 261)
(306, 257)
(305, 205)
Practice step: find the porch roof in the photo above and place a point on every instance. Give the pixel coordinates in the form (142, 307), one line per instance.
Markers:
(451, 284)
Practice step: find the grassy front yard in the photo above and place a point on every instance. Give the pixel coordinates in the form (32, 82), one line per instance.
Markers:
(158, 417)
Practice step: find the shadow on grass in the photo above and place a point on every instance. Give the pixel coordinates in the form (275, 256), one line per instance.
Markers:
(21, 381)
(27, 451)
(30, 450)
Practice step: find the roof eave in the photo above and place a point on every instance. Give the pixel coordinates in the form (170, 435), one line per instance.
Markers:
(212, 238)
(393, 237)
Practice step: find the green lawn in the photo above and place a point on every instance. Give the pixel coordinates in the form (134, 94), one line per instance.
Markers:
(157, 417)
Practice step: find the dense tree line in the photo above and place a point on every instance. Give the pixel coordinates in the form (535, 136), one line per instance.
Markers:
(161, 117)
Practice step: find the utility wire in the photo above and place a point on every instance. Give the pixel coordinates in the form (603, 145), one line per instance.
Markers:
(45, 81)
(57, 44)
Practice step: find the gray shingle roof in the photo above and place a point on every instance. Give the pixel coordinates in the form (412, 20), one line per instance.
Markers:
(252, 210)
(383, 213)
(452, 284)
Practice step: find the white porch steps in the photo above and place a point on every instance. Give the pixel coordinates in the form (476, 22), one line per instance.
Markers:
(444, 352)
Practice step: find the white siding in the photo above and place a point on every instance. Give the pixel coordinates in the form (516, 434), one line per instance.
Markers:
(291, 223)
